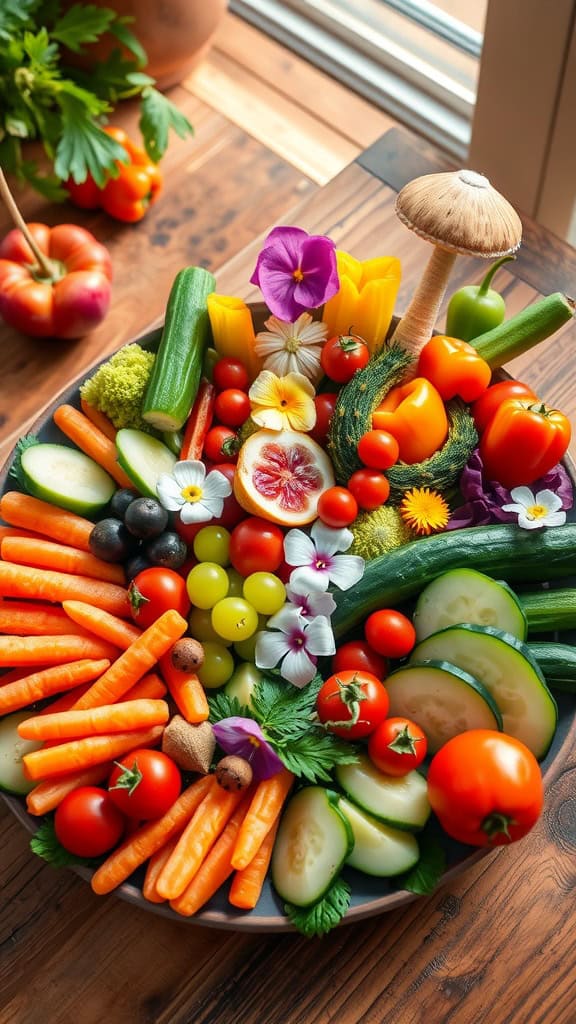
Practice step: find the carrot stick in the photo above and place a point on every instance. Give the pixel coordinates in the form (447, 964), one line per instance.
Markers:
(103, 624)
(187, 691)
(149, 838)
(48, 554)
(30, 513)
(66, 700)
(109, 718)
(214, 869)
(76, 754)
(150, 686)
(154, 868)
(15, 531)
(91, 440)
(47, 795)
(199, 421)
(47, 682)
(99, 419)
(29, 618)
(12, 674)
(52, 650)
(266, 805)
(201, 832)
(247, 884)
(48, 585)
(135, 661)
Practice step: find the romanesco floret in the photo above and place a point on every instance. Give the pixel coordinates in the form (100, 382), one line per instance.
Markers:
(118, 386)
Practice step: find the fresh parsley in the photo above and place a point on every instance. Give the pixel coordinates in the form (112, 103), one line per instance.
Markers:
(45, 844)
(15, 472)
(425, 876)
(324, 915)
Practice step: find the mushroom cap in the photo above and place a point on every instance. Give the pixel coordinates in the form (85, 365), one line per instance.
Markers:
(461, 212)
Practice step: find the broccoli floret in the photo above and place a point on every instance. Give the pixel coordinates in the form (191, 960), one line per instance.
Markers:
(118, 386)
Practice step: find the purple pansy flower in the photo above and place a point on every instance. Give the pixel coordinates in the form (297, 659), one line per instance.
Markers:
(296, 272)
(244, 737)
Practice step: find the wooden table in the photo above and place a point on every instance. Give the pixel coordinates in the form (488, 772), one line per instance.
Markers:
(496, 944)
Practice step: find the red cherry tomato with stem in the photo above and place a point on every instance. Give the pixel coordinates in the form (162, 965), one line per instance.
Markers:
(220, 444)
(154, 591)
(342, 355)
(390, 633)
(88, 823)
(351, 704)
(144, 784)
(397, 746)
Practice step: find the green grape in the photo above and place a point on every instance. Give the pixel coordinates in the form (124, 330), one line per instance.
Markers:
(212, 544)
(246, 649)
(242, 682)
(201, 628)
(234, 619)
(236, 583)
(217, 667)
(265, 592)
(207, 583)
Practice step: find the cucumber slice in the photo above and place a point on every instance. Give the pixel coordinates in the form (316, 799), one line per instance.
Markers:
(507, 669)
(12, 750)
(401, 802)
(143, 458)
(314, 839)
(66, 477)
(466, 595)
(442, 698)
(378, 849)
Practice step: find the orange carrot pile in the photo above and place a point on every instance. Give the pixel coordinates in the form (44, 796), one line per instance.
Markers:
(48, 554)
(263, 812)
(91, 440)
(15, 531)
(103, 624)
(78, 754)
(154, 869)
(247, 884)
(187, 691)
(110, 718)
(47, 585)
(30, 513)
(52, 650)
(32, 618)
(46, 682)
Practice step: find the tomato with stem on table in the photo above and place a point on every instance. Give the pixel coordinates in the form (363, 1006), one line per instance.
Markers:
(352, 703)
(144, 784)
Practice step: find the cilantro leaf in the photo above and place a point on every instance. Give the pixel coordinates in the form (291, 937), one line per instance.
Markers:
(158, 116)
(84, 148)
(128, 39)
(222, 706)
(321, 917)
(29, 441)
(314, 755)
(424, 877)
(45, 844)
(80, 24)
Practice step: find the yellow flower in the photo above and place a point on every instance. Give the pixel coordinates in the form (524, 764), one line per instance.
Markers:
(425, 511)
(283, 403)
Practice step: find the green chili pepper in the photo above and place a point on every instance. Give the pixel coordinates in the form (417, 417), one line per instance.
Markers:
(476, 308)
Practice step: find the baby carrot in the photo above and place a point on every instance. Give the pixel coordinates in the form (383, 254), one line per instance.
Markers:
(99, 419)
(83, 753)
(47, 682)
(91, 440)
(48, 585)
(48, 554)
(109, 718)
(149, 838)
(46, 796)
(154, 868)
(32, 618)
(150, 686)
(103, 624)
(247, 884)
(23, 510)
(52, 650)
(136, 660)
(266, 805)
(187, 691)
(15, 531)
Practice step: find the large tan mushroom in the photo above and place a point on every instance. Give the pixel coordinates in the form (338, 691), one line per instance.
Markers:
(458, 212)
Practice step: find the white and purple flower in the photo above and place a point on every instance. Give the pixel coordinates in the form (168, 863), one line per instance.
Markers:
(295, 643)
(317, 560)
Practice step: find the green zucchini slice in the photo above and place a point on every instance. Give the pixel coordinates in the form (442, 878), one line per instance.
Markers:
(466, 595)
(379, 850)
(400, 802)
(66, 477)
(12, 750)
(143, 458)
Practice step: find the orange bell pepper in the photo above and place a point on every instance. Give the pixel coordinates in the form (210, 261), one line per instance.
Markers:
(522, 442)
(454, 368)
(415, 415)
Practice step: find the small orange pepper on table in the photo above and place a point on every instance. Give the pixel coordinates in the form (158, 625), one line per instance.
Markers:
(454, 367)
(127, 196)
(415, 415)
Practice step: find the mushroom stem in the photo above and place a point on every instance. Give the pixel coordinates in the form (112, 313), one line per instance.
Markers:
(416, 326)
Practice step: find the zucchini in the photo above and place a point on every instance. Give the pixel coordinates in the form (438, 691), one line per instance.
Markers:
(398, 801)
(313, 842)
(501, 551)
(12, 750)
(143, 458)
(558, 664)
(66, 477)
(442, 698)
(550, 609)
(507, 669)
(178, 365)
(378, 849)
(466, 595)
(527, 328)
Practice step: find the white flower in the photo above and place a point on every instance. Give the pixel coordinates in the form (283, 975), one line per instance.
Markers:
(311, 603)
(292, 347)
(296, 643)
(318, 564)
(535, 511)
(197, 497)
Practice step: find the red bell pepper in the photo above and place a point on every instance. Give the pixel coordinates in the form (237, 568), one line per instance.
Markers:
(522, 442)
(454, 368)
(414, 414)
(127, 196)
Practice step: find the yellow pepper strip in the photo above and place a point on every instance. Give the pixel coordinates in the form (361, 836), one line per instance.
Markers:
(365, 301)
(233, 331)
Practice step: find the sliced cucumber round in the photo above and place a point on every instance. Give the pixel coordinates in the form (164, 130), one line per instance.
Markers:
(313, 841)
(143, 458)
(378, 849)
(442, 698)
(466, 595)
(12, 750)
(401, 802)
(66, 477)
(507, 669)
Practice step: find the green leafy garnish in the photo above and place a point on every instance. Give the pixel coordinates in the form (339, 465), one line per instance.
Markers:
(424, 877)
(29, 441)
(157, 118)
(45, 844)
(324, 915)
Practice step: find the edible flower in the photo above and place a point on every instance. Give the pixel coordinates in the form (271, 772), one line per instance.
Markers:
(295, 271)
(317, 559)
(534, 511)
(295, 643)
(244, 737)
(196, 495)
(424, 510)
(292, 347)
(311, 603)
(366, 298)
(282, 403)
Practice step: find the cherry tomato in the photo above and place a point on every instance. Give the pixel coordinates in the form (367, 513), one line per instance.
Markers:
(342, 356)
(359, 656)
(337, 507)
(397, 746)
(256, 546)
(485, 788)
(220, 444)
(232, 407)
(484, 407)
(145, 783)
(370, 488)
(230, 373)
(154, 591)
(325, 404)
(88, 823)
(351, 704)
(390, 633)
(377, 449)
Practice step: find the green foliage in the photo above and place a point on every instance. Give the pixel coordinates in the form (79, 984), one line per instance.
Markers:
(424, 877)
(45, 844)
(321, 917)
(15, 471)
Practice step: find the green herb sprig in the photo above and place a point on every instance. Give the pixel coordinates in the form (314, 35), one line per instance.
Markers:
(323, 916)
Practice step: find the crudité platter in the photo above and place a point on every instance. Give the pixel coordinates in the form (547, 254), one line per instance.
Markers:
(287, 607)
